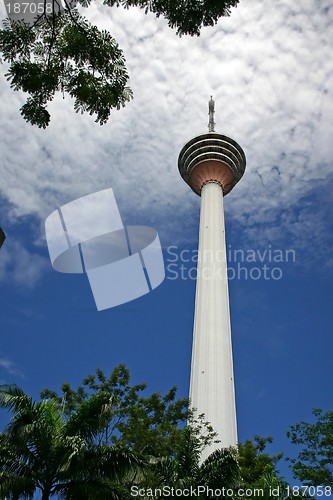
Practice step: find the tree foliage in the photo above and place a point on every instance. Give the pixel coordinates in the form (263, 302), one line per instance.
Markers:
(89, 443)
(64, 53)
(272, 487)
(84, 443)
(186, 16)
(185, 472)
(42, 450)
(260, 476)
(145, 424)
(254, 460)
(314, 464)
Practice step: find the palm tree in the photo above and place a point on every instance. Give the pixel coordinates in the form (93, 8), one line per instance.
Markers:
(185, 472)
(43, 450)
(273, 487)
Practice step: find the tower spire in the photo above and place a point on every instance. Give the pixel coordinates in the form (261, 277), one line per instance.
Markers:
(211, 112)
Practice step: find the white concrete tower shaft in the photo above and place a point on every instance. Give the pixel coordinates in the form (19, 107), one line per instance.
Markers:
(212, 379)
(212, 164)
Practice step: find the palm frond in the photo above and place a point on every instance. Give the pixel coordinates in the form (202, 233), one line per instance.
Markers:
(14, 398)
(90, 417)
(220, 468)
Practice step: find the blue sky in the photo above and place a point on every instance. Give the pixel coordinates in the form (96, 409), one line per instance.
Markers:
(270, 71)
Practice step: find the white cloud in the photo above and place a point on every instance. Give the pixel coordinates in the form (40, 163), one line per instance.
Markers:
(270, 71)
(20, 266)
(10, 367)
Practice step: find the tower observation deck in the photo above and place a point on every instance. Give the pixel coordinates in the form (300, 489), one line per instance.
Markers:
(212, 164)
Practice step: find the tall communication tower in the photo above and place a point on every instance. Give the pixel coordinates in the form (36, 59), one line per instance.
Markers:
(212, 164)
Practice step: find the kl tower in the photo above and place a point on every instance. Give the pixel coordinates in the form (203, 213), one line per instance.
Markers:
(212, 164)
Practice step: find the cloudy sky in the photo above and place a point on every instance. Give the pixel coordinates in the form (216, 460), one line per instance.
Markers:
(270, 70)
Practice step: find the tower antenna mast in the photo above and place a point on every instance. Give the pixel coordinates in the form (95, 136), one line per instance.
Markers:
(211, 113)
